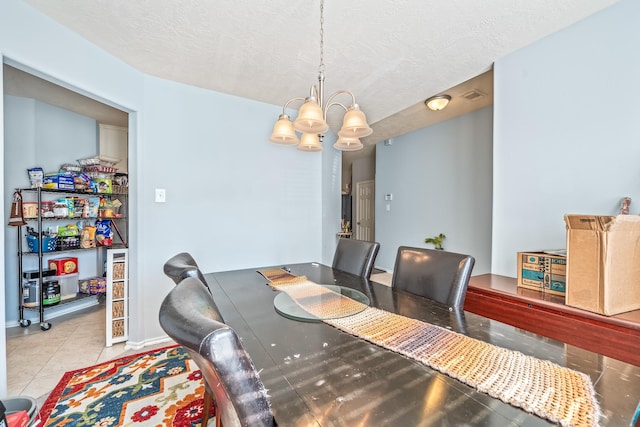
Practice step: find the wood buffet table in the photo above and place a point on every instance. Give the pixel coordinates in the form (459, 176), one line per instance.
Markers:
(319, 376)
(497, 297)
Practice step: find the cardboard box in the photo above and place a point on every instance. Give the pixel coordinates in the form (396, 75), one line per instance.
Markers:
(102, 185)
(58, 182)
(542, 271)
(603, 259)
(64, 266)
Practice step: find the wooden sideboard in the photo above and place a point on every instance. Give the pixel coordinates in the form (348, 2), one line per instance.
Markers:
(498, 297)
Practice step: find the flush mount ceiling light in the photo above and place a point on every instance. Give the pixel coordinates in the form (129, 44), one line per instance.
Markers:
(311, 121)
(438, 102)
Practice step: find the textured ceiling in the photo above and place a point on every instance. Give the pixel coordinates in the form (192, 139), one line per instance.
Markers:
(390, 54)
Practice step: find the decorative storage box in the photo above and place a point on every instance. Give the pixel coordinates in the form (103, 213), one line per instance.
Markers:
(64, 266)
(542, 271)
(603, 263)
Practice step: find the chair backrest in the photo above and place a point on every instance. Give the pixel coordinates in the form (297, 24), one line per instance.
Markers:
(188, 316)
(181, 266)
(436, 274)
(355, 256)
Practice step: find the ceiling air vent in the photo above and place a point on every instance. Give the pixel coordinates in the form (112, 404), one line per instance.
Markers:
(473, 95)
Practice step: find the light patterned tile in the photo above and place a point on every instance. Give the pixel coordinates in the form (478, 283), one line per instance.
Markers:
(42, 384)
(109, 353)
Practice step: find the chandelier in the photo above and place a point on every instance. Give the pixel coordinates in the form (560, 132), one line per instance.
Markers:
(311, 121)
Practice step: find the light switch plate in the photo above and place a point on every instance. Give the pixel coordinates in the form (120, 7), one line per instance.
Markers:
(161, 195)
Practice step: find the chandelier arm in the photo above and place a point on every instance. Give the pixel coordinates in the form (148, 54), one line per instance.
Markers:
(284, 107)
(340, 92)
(326, 110)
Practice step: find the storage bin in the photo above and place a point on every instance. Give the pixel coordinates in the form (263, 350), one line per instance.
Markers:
(68, 242)
(68, 285)
(48, 243)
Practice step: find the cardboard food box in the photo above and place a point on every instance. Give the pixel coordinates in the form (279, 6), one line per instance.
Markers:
(542, 271)
(64, 266)
(59, 182)
(102, 185)
(603, 260)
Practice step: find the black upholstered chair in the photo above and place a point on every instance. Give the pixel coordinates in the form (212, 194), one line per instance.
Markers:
(182, 266)
(355, 256)
(436, 274)
(188, 315)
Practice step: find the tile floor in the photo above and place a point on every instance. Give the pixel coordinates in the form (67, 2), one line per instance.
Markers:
(36, 359)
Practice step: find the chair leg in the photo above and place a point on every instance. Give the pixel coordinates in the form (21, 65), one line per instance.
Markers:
(218, 417)
(206, 409)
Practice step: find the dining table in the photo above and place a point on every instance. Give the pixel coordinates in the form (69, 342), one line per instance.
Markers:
(319, 375)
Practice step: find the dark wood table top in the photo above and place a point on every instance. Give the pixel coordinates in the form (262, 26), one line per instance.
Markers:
(320, 376)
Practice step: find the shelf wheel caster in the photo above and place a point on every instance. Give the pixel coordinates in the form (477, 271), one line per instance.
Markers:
(45, 326)
(25, 323)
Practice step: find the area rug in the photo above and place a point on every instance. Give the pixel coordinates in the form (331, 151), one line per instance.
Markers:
(162, 387)
(551, 391)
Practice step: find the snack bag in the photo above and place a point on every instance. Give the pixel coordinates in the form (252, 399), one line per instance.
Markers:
(104, 234)
(88, 237)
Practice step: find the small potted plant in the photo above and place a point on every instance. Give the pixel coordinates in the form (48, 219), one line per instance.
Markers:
(437, 240)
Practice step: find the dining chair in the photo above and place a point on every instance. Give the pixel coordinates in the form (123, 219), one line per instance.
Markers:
(355, 256)
(435, 274)
(188, 316)
(181, 266)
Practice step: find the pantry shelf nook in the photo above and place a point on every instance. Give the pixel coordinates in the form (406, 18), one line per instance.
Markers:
(59, 222)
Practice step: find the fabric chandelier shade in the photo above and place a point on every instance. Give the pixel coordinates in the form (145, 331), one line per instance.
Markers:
(311, 121)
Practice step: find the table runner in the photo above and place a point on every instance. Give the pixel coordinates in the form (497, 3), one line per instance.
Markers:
(551, 391)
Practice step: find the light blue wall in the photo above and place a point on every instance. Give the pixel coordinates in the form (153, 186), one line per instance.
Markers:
(566, 136)
(440, 181)
(233, 199)
(38, 134)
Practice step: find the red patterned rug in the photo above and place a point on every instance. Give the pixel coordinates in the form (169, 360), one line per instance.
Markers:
(163, 387)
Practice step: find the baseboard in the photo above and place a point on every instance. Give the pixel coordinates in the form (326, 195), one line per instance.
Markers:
(138, 345)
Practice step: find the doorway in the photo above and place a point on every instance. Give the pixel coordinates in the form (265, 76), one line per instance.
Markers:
(27, 98)
(358, 182)
(365, 213)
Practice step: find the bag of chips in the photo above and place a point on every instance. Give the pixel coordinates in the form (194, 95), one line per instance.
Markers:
(104, 234)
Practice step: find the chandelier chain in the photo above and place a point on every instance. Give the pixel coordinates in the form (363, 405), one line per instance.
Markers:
(321, 67)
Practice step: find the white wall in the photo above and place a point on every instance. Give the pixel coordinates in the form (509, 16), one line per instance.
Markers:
(440, 180)
(566, 137)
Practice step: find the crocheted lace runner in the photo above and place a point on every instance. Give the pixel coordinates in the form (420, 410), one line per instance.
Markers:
(541, 387)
